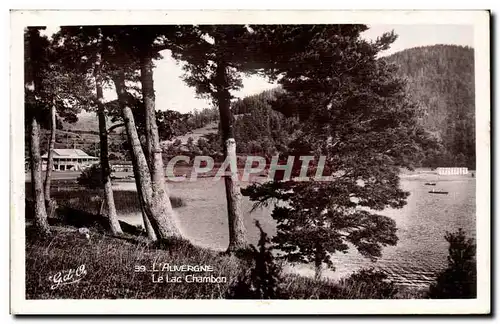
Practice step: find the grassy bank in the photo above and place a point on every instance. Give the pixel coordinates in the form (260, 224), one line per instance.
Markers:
(111, 264)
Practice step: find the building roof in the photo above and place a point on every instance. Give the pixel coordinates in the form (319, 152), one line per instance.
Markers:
(70, 153)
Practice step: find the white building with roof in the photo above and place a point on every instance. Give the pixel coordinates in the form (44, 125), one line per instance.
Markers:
(69, 160)
(452, 171)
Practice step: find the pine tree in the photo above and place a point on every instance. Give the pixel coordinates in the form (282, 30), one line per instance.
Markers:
(80, 51)
(65, 92)
(354, 112)
(134, 46)
(215, 56)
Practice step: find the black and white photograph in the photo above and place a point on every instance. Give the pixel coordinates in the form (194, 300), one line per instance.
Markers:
(267, 162)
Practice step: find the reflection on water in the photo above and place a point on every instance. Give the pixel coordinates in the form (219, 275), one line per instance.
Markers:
(422, 224)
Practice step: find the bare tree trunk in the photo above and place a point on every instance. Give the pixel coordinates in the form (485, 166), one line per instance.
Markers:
(147, 224)
(148, 95)
(161, 199)
(237, 230)
(114, 224)
(32, 85)
(36, 179)
(162, 222)
(50, 155)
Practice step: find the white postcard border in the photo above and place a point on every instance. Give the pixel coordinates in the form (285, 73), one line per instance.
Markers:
(19, 305)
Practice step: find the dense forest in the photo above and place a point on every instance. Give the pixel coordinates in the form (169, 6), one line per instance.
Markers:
(259, 128)
(441, 79)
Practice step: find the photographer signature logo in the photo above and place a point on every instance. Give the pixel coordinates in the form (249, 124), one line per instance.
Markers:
(66, 277)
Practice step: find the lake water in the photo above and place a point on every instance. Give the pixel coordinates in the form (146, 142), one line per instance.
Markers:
(422, 224)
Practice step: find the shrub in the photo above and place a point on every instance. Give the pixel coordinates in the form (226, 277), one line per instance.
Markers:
(114, 157)
(363, 284)
(459, 279)
(367, 284)
(300, 287)
(262, 281)
(265, 281)
(91, 177)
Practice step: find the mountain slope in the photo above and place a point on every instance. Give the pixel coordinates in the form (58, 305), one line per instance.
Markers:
(441, 79)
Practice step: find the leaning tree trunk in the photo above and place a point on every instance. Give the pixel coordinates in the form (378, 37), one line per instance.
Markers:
(50, 155)
(161, 199)
(148, 96)
(147, 224)
(41, 222)
(114, 224)
(237, 230)
(150, 232)
(162, 222)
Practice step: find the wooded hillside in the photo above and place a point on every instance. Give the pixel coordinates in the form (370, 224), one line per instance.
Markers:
(441, 79)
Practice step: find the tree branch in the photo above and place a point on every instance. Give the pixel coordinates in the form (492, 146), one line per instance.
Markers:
(115, 126)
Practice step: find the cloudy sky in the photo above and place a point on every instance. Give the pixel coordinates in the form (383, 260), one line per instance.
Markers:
(173, 94)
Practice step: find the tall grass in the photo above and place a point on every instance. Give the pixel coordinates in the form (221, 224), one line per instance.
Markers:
(72, 195)
(110, 264)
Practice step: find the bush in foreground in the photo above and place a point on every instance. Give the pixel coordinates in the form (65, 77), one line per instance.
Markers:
(262, 281)
(364, 284)
(369, 283)
(110, 263)
(266, 281)
(459, 280)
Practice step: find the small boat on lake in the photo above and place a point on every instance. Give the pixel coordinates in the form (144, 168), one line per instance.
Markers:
(438, 192)
(430, 183)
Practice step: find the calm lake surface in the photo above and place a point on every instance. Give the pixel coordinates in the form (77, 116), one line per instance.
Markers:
(422, 224)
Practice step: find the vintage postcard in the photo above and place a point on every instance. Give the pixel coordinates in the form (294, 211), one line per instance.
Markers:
(250, 162)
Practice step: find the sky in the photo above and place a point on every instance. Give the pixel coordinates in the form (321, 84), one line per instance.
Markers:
(173, 94)
(422, 35)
